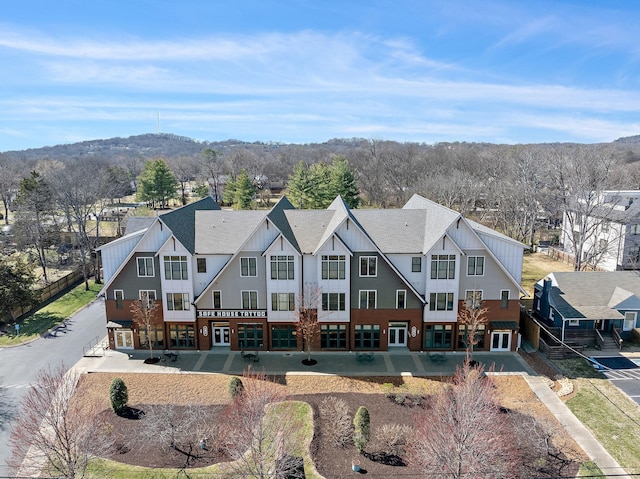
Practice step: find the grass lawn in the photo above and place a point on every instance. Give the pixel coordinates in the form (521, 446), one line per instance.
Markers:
(612, 418)
(52, 314)
(536, 266)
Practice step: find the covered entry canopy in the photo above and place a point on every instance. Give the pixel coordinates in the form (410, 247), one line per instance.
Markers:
(119, 323)
(503, 325)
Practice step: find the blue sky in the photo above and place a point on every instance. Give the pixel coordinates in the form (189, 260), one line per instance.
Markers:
(308, 71)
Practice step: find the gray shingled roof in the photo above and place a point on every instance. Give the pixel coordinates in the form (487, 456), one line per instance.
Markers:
(137, 223)
(308, 227)
(396, 231)
(279, 219)
(181, 221)
(224, 232)
(586, 294)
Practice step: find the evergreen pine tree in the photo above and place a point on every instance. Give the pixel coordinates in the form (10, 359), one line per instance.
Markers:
(245, 192)
(157, 183)
(229, 193)
(299, 186)
(320, 194)
(343, 182)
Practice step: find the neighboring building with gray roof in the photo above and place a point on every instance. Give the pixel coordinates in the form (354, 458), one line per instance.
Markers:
(379, 279)
(589, 300)
(610, 229)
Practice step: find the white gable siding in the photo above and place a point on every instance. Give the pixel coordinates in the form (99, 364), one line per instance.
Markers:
(174, 248)
(215, 263)
(282, 248)
(464, 237)
(442, 285)
(509, 254)
(261, 238)
(155, 237)
(114, 253)
(354, 238)
(402, 262)
(334, 285)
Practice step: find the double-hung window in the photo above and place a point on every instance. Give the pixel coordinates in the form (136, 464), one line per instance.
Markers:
(249, 300)
(282, 267)
(441, 302)
(333, 301)
(217, 299)
(147, 296)
(118, 295)
(416, 264)
(175, 267)
(333, 266)
(202, 265)
(443, 266)
(248, 267)
(475, 266)
(367, 299)
(401, 299)
(473, 298)
(145, 267)
(504, 298)
(178, 301)
(368, 266)
(283, 302)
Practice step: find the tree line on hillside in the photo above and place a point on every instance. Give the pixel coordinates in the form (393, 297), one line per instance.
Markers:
(514, 189)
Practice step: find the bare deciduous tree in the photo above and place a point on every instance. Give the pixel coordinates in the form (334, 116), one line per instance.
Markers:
(308, 325)
(472, 316)
(464, 434)
(580, 175)
(189, 430)
(54, 432)
(144, 314)
(262, 434)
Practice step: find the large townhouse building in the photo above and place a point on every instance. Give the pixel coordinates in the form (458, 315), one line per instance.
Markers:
(379, 279)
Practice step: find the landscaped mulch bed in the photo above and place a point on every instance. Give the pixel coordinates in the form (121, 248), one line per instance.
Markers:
(331, 462)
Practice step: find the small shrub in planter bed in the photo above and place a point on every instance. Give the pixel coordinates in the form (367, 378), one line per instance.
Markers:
(118, 395)
(236, 388)
(362, 428)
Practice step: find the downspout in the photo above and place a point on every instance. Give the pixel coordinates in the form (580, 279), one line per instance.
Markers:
(563, 323)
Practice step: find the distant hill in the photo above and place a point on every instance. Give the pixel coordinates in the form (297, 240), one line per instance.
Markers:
(628, 139)
(162, 145)
(171, 147)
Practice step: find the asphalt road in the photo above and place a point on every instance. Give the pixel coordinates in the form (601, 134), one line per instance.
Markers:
(19, 365)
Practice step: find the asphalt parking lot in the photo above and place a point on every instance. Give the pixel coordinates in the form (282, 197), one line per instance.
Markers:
(623, 372)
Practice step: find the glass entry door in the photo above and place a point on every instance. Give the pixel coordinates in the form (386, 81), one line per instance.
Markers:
(501, 341)
(397, 335)
(221, 335)
(124, 338)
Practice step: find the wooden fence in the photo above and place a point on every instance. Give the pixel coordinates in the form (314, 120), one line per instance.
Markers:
(529, 328)
(53, 289)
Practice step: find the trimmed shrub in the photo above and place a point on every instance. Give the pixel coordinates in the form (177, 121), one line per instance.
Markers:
(362, 428)
(391, 439)
(118, 395)
(337, 418)
(236, 387)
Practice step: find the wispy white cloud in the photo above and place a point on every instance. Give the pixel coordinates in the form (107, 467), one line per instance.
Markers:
(317, 84)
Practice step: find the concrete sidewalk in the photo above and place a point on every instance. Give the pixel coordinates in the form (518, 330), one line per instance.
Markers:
(391, 363)
(589, 444)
